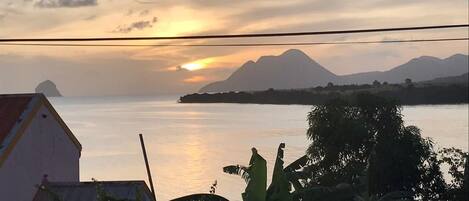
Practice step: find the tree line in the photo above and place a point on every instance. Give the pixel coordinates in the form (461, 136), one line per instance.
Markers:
(406, 94)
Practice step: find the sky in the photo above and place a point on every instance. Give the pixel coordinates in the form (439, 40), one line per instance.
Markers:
(93, 71)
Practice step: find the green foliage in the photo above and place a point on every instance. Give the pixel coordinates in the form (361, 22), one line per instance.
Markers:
(410, 149)
(213, 187)
(408, 94)
(341, 143)
(367, 134)
(458, 163)
(455, 159)
(279, 189)
(466, 178)
(296, 173)
(255, 176)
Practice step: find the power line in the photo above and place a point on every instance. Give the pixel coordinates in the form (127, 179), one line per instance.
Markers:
(235, 44)
(256, 35)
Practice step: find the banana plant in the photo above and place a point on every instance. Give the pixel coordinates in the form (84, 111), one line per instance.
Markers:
(279, 189)
(284, 180)
(255, 176)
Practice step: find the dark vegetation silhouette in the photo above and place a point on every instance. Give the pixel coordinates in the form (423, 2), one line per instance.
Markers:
(201, 197)
(408, 93)
(360, 151)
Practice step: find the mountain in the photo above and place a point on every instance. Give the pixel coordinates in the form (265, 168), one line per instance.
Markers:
(419, 69)
(48, 88)
(294, 69)
(460, 79)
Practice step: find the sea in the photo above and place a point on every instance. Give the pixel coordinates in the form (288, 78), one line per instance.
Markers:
(189, 144)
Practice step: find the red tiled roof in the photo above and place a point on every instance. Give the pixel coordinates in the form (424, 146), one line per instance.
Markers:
(11, 108)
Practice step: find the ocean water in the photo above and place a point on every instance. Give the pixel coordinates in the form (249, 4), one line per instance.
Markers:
(188, 144)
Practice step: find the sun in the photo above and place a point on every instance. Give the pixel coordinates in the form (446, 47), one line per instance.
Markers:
(197, 65)
(192, 66)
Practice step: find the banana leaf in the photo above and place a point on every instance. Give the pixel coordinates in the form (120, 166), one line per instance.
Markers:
(255, 176)
(279, 189)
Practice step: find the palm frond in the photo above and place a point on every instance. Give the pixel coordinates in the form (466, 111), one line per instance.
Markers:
(294, 172)
(298, 164)
(238, 170)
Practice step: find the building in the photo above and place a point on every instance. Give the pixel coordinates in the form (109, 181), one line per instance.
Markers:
(34, 141)
(88, 191)
(39, 157)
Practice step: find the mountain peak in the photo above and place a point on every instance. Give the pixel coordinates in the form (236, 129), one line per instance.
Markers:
(48, 88)
(457, 56)
(427, 58)
(289, 70)
(294, 52)
(294, 69)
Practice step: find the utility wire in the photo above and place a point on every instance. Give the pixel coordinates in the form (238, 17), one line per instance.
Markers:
(256, 35)
(235, 44)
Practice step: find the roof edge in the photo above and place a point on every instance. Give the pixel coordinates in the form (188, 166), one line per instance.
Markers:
(17, 131)
(33, 107)
(59, 119)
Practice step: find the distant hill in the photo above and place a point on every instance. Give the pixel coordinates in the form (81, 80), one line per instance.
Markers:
(464, 78)
(48, 88)
(418, 69)
(294, 69)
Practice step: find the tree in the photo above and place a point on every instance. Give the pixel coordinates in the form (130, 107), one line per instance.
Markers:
(330, 84)
(411, 150)
(347, 134)
(376, 83)
(340, 143)
(466, 177)
(458, 163)
(408, 81)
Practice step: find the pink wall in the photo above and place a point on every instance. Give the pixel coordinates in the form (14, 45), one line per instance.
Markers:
(44, 148)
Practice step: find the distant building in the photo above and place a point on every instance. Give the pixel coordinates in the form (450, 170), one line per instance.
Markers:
(88, 191)
(34, 141)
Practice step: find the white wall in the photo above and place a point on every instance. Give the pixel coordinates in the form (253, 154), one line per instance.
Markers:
(44, 148)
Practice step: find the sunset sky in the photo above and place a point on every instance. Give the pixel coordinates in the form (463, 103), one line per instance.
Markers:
(151, 70)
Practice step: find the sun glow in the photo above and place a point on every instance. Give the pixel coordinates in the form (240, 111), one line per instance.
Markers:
(192, 66)
(195, 79)
(197, 65)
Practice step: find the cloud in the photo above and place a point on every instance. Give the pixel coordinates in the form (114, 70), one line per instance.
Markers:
(144, 12)
(91, 17)
(64, 3)
(196, 79)
(139, 25)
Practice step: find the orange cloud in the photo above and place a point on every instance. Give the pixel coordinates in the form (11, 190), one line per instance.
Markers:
(195, 79)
